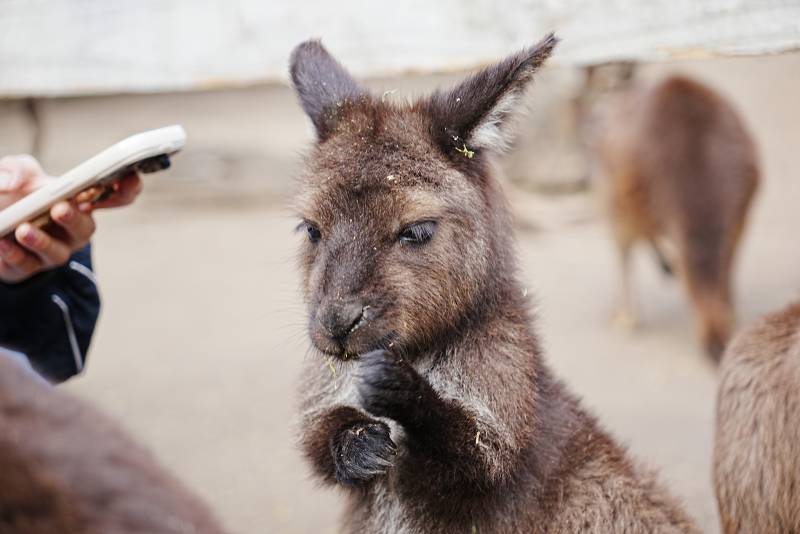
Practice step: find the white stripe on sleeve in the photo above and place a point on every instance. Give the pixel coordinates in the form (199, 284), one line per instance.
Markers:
(73, 339)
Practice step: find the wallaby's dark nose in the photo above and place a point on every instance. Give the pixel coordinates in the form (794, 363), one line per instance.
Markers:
(340, 318)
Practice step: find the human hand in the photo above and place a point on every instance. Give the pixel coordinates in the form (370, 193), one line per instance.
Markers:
(39, 249)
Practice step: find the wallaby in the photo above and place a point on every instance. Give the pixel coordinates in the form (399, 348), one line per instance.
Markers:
(679, 170)
(757, 443)
(428, 399)
(66, 469)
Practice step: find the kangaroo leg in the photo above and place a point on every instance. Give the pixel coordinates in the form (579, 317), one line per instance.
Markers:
(625, 316)
(664, 261)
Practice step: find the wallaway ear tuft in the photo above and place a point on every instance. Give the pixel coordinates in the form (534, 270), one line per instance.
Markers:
(476, 114)
(322, 85)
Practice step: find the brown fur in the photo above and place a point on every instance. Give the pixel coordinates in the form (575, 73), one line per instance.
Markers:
(427, 397)
(681, 168)
(66, 469)
(757, 444)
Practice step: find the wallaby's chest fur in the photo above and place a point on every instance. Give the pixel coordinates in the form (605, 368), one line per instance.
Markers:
(427, 398)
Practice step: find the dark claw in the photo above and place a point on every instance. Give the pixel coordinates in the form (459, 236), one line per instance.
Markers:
(362, 452)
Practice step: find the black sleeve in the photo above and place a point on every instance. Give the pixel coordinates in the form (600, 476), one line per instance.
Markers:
(51, 317)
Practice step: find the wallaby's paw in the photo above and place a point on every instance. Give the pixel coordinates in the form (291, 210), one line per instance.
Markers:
(626, 320)
(362, 452)
(387, 384)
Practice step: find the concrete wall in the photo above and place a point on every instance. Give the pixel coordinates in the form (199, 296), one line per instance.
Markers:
(76, 47)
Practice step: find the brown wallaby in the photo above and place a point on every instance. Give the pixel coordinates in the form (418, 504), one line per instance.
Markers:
(428, 399)
(66, 469)
(757, 443)
(679, 170)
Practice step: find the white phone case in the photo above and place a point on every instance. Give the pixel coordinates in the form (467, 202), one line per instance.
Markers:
(103, 166)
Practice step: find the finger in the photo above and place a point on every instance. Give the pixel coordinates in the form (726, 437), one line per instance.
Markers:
(17, 264)
(8, 181)
(25, 163)
(10, 175)
(125, 192)
(19, 172)
(78, 226)
(52, 252)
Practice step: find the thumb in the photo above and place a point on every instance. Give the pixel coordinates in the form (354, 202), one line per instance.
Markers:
(9, 181)
(19, 174)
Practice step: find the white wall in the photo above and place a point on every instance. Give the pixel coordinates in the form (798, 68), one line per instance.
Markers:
(67, 47)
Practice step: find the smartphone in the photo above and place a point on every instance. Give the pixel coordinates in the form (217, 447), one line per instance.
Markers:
(91, 181)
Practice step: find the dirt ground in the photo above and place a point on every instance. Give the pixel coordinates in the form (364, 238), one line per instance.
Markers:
(202, 334)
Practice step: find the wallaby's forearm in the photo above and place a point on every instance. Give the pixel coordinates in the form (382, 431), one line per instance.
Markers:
(320, 430)
(444, 438)
(348, 446)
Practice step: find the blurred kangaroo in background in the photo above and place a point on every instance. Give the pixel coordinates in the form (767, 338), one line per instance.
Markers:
(66, 469)
(757, 443)
(427, 398)
(679, 170)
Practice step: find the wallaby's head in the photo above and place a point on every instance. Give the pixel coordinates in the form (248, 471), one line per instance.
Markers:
(406, 233)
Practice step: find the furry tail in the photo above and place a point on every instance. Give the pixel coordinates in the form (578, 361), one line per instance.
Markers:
(716, 330)
(714, 316)
(706, 267)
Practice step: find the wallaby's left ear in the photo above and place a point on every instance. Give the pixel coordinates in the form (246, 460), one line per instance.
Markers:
(322, 84)
(475, 115)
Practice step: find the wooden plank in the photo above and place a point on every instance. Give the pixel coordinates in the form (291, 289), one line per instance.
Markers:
(76, 47)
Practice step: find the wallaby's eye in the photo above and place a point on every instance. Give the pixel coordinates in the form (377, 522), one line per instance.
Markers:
(418, 233)
(314, 234)
(311, 229)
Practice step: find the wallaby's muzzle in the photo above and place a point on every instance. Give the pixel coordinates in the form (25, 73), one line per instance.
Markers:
(340, 318)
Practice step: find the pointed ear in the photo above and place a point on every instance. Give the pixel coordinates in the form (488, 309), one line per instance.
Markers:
(475, 116)
(322, 84)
